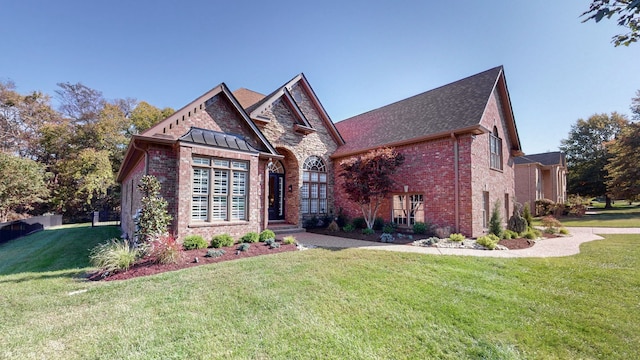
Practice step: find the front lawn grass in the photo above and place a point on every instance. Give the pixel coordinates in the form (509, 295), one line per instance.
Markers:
(620, 216)
(324, 304)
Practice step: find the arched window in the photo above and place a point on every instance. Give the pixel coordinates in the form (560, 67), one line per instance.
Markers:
(314, 186)
(276, 167)
(495, 146)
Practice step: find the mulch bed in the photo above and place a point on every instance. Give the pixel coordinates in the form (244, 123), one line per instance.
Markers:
(512, 244)
(146, 267)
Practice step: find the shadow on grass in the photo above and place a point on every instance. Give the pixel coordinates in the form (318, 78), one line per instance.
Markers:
(79, 274)
(62, 248)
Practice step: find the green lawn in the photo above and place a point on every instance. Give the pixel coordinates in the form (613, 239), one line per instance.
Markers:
(621, 216)
(348, 304)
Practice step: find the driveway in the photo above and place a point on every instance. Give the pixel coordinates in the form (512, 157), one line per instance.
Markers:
(562, 246)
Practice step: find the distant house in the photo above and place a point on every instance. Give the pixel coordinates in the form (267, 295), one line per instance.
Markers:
(233, 162)
(541, 176)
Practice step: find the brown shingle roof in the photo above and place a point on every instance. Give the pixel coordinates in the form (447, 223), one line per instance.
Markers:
(451, 107)
(247, 97)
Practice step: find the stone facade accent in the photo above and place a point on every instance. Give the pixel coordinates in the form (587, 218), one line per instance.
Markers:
(297, 147)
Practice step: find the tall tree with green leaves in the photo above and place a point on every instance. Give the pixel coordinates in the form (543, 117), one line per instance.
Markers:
(144, 115)
(628, 13)
(587, 153)
(368, 179)
(22, 185)
(623, 172)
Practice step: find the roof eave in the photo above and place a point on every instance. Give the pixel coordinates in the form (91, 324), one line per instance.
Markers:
(473, 130)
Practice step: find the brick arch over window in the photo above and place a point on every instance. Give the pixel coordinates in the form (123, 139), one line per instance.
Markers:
(314, 186)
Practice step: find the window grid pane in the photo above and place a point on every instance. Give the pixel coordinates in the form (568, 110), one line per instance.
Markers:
(199, 208)
(238, 208)
(219, 208)
(220, 182)
(239, 183)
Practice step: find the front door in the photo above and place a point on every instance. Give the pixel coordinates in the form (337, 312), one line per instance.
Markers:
(276, 196)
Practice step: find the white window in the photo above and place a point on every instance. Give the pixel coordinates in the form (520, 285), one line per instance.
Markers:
(495, 146)
(314, 186)
(408, 209)
(216, 184)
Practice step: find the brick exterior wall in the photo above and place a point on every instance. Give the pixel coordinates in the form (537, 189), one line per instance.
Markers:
(297, 147)
(483, 178)
(526, 177)
(131, 196)
(429, 169)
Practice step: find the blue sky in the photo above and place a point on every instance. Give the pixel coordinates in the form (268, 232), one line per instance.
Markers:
(357, 55)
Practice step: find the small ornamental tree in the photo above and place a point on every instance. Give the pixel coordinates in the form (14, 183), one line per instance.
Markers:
(153, 219)
(367, 179)
(495, 223)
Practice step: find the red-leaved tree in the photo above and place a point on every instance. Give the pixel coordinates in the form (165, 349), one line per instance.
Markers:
(367, 179)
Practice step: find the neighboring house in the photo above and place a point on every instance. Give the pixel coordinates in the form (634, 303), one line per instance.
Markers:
(541, 176)
(238, 162)
(459, 142)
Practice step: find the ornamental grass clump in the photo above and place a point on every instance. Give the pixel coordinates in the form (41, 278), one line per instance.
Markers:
(165, 250)
(114, 255)
(456, 237)
(288, 240)
(489, 241)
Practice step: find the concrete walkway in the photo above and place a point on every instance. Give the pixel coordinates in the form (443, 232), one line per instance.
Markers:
(562, 246)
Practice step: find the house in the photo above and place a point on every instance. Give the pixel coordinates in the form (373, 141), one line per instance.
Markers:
(459, 142)
(541, 176)
(233, 162)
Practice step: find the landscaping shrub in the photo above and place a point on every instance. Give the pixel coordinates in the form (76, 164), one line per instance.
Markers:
(386, 238)
(378, 223)
(544, 207)
(114, 255)
(526, 214)
(359, 223)
(333, 226)
(274, 245)
(432, 240)
(250, 237)
(419, 228)
(389, 228)
(194, 242)
(495, 222)
(222, 240)
(165, 250)
(348, 228)
(551, 224)
(342, 219)
(456, 237)
(489, 241)
(577, 205)
(153, 218)
(245, 246)
(215, 253)
(266, 234)
(563, 231)
(510, 234)
(367, 231)
(531, 234)
(288, 240)
(270, 241)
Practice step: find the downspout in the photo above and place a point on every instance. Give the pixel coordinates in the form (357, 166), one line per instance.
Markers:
(456, 165)
(146, 157)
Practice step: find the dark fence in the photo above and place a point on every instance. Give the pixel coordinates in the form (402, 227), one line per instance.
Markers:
(15, 229)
